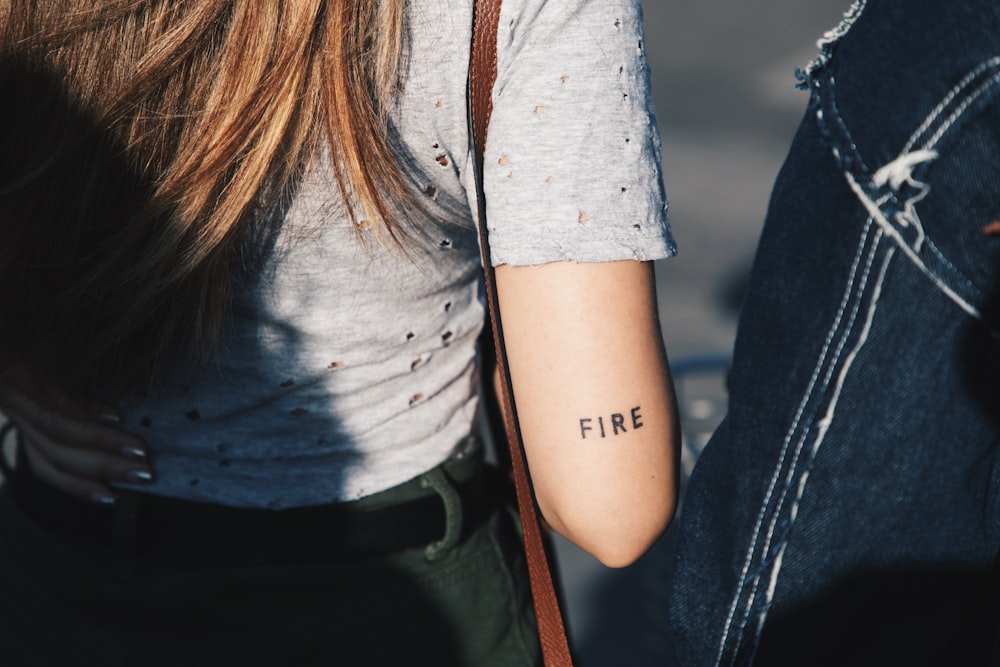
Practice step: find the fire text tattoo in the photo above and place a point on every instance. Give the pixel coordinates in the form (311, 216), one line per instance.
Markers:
(614, 425)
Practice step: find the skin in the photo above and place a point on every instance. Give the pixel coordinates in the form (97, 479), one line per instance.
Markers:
(71, 445)
(583, 342)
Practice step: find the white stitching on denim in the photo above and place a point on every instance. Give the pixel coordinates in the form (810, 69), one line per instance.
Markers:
(962, 108)
(900, 172)
(848, 292)
(827, 420)
(875, 208)
(876, 212)
(857, 296)
(946, 101)
(947, 262)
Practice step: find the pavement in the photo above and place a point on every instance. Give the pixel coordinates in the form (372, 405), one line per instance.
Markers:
(723, 85)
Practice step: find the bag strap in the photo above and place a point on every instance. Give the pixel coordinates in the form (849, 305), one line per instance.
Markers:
(482, 76)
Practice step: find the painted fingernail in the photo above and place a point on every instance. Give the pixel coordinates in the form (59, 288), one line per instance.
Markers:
(132, 452)
(102, 498)
(140, 476)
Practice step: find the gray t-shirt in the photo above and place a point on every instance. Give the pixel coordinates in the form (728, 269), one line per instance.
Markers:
(351, 366)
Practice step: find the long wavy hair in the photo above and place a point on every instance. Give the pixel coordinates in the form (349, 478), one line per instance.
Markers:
(138, 138)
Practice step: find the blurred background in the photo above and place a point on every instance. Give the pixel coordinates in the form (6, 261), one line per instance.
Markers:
(727, 106)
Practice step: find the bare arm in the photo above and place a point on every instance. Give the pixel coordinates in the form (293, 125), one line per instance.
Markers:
(595, 401)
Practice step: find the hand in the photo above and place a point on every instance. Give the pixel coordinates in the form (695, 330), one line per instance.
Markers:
(73, 446)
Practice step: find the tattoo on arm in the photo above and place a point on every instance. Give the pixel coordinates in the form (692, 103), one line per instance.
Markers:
(615, 425)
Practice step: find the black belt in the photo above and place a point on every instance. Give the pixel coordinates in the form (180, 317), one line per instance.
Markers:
(204, 534)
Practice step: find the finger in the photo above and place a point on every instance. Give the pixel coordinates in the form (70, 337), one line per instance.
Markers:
(63, 423)
(91, 464)
(84, 489)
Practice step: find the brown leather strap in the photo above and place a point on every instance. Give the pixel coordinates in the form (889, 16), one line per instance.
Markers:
(482, 76)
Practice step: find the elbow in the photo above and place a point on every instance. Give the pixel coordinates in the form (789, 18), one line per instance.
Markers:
(624, 549)
(618, 539)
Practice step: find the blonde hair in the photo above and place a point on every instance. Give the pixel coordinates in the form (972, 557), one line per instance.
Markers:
(167, 122)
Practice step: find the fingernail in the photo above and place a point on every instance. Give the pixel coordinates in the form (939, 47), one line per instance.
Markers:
(140, 476)
(132, 452)
(102, 498)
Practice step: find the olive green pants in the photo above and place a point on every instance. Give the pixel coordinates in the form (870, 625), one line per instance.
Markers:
(461, 601)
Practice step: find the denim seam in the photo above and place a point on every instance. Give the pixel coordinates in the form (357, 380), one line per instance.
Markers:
(826, 421)
(875, 208)
(967, 102)
(875, 211)
(831, 364)
(849, 293)
(947, 100)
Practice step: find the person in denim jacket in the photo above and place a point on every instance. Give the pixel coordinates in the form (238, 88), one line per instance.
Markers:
(847, 511)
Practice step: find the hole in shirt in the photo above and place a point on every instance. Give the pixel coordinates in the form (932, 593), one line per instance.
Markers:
(287, 383)
(225, 463)
(430, 191)
(445, 243)
(193, 415)
(438, 104)
(447, 306)
(564, 79)
(583, 218)
(637, 226)
(442, 160)
(618, 23)
(410, 335)
(539, 108)
(334, 365)
(416, 364)
(504, 160)
(416, 398)
(222, 447)
(193, 482)
(550, 179)
(624, 189)
(298, 412)
(146, 422)
(446, 338)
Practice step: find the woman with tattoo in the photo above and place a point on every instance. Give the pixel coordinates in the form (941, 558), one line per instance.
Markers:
(241, 301)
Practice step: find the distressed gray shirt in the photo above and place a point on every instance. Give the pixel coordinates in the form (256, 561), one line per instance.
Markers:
(351, 367)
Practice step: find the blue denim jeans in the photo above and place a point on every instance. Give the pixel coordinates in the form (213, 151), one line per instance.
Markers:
(847, 511)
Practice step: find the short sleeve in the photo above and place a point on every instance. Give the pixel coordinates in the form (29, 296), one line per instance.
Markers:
(572, 164)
